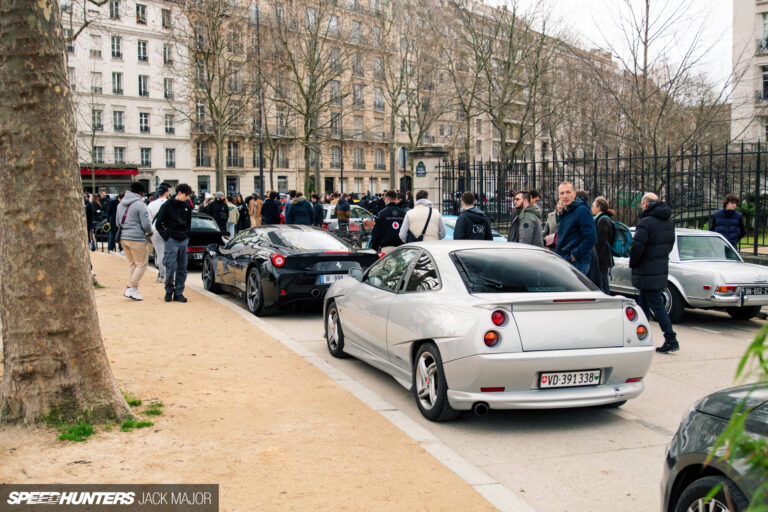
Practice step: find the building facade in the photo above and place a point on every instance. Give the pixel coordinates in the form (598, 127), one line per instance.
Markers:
(749, 108)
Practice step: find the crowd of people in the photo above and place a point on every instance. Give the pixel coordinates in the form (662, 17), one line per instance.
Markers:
(580, 232)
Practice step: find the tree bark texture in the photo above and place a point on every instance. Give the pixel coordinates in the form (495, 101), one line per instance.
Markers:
(54, 358)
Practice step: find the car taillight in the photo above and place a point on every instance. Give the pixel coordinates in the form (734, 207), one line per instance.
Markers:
(631, 313)
(325, 225)
(278, 260)
(195, 249)
(380, 254)
(642, 332)
(491, 338)
(725, 289)
(634, 379)
(498, 318)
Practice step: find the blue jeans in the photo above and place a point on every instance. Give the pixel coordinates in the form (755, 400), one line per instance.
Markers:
(581, 267)
(231, 229)
(111, 243)
(651, 301)
(175, 262)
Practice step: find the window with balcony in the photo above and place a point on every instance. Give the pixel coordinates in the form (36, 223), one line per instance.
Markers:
(117, 50)
(117, 121)
(200, 113)
(359, 158)
(143, 85)
(402, 126)
(96, 123)
(378, 128)
(114, 9)
(119, 154)
(379, 164)
(142, 51)
(170, 124)
(146, 157)
(144, 122)
(335, 157)
(203, 158)
(358, 100)
(256, 159)
(335, 59)
(281, 123)
(170, 158)
(233, 154)
(70, 42)
(235, 42)
(282, 160)
(335, 124)
(96, 83)
(95, 46)
(98, 154)
(167, 54)
(168, 88)
(117, 83)
(141, 14)
(166, 18)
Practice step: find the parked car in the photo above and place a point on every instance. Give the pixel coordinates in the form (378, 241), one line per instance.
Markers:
(204, 231)
(279, 264)
(360, 224)
(705, 271)
(689, 474)
(477, 325)
(450, 225)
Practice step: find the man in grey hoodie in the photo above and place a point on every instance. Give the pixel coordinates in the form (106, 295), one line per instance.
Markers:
(133, 222)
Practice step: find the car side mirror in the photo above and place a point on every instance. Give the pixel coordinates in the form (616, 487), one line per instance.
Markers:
(357, 273)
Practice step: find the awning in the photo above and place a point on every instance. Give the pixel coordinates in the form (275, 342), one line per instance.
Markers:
(108, 171)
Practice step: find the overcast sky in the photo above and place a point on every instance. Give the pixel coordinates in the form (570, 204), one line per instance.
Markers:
(595, 22)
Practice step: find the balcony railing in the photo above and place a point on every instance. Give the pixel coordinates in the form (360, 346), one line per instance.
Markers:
(235, 161)
(762, 45)
(144, 129)
(203, 161)
(119, 128)
(117, 91)
(379, 167)
(170, 130)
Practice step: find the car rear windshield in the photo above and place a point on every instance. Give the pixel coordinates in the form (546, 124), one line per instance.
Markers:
(307, 241)
(203, 223)
(517, 271)
(705, 248)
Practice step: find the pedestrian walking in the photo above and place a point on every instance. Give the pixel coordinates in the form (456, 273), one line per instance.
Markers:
(301, 211)
(422, 222)
(133, 222)
(343, 212)
(270, 211)
(526, 225)
(112, 243)
(219, 210)
(254, 210)
(728, 222)
(174, 223)
(649, 260)
(576, 232)
(606, 232)
(318, 213)
(163, 191)
(385, 236)
(472, 223)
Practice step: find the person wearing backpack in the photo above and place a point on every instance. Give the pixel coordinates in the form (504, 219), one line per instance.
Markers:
(606, 232)
(422, 222)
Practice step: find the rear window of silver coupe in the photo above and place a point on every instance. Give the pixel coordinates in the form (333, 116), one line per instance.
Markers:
(711, 248)
(517, 271)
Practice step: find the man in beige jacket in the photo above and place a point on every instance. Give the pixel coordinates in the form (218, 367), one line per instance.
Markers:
(416, 219)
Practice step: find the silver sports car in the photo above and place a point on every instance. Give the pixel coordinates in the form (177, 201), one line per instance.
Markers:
(704, 272)
(482, 325)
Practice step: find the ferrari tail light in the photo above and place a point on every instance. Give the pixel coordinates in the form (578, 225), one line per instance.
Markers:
(491, 338)
(725, 289)
(380, 254)
(641, 331)
(631, 313)
(278, 260)
(325, 225)
(195, 249)
(498, 318)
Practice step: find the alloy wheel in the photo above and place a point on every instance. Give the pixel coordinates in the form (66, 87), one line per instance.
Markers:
(333, 329)
(702, 505)
(207, 274)
(426, 380)
(254, 297)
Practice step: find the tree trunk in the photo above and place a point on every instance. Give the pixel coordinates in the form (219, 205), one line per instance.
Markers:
(220, 165)
(306, 166)
(54, 358)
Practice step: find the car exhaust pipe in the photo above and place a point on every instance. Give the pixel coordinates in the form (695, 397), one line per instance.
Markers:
(480, 408)
(315, 292)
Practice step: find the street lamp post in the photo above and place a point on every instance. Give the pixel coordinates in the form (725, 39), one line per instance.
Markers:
(261, 99)
(341, 146)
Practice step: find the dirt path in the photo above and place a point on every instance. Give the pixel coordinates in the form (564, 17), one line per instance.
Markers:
(241, 410)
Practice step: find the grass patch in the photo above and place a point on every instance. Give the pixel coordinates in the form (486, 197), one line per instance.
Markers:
(129, 425)
(78, 432)
(132, 400)
(154, 409)
(98, 286)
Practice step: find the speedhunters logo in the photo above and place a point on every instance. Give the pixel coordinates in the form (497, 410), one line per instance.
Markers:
(144, 497)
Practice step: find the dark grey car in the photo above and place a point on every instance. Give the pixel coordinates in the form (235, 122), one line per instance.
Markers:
(687, 479)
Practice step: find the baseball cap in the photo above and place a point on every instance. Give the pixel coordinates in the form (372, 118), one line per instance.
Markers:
(219, 194)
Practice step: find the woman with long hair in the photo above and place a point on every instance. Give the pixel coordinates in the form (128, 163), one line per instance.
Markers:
(603, 215)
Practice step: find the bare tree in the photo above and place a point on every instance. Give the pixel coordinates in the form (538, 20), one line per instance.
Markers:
(209, 41)
(54, 358)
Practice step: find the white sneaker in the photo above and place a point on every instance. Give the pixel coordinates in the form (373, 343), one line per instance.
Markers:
(128, 292)
(135, 295)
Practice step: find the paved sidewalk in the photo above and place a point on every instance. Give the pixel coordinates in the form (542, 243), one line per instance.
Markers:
(241, 410)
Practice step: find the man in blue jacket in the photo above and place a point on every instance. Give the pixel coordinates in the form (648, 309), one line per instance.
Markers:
(576, 232)
(728, 222)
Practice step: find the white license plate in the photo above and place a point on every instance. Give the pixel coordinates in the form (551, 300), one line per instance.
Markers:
(197, 256)
(569, 379)
(756, 290)
(330, 278)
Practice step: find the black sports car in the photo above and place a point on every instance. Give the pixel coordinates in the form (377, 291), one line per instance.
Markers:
(204, 232)
(279, 264)
(688, 478)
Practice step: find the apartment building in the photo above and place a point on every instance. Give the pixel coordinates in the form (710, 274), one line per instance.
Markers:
(749, 108)
(126, 111)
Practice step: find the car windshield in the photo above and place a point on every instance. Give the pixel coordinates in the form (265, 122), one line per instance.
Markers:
(517, 271)
(705, 248)
(306, 241)
(355, 212)
(203, 223)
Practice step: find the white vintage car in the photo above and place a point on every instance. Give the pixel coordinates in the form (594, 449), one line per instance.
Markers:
(704, 272)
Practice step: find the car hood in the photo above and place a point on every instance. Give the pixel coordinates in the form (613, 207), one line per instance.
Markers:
(732, 272)
(723, 404)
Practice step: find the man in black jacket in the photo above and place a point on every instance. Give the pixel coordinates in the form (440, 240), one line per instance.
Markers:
(270, 210)
(219, 210)
(174, 223)
(386, 231)
(318, 214)
(649, 261)
(472, 223)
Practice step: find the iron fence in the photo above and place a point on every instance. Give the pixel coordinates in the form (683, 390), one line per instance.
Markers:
(692, 182)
